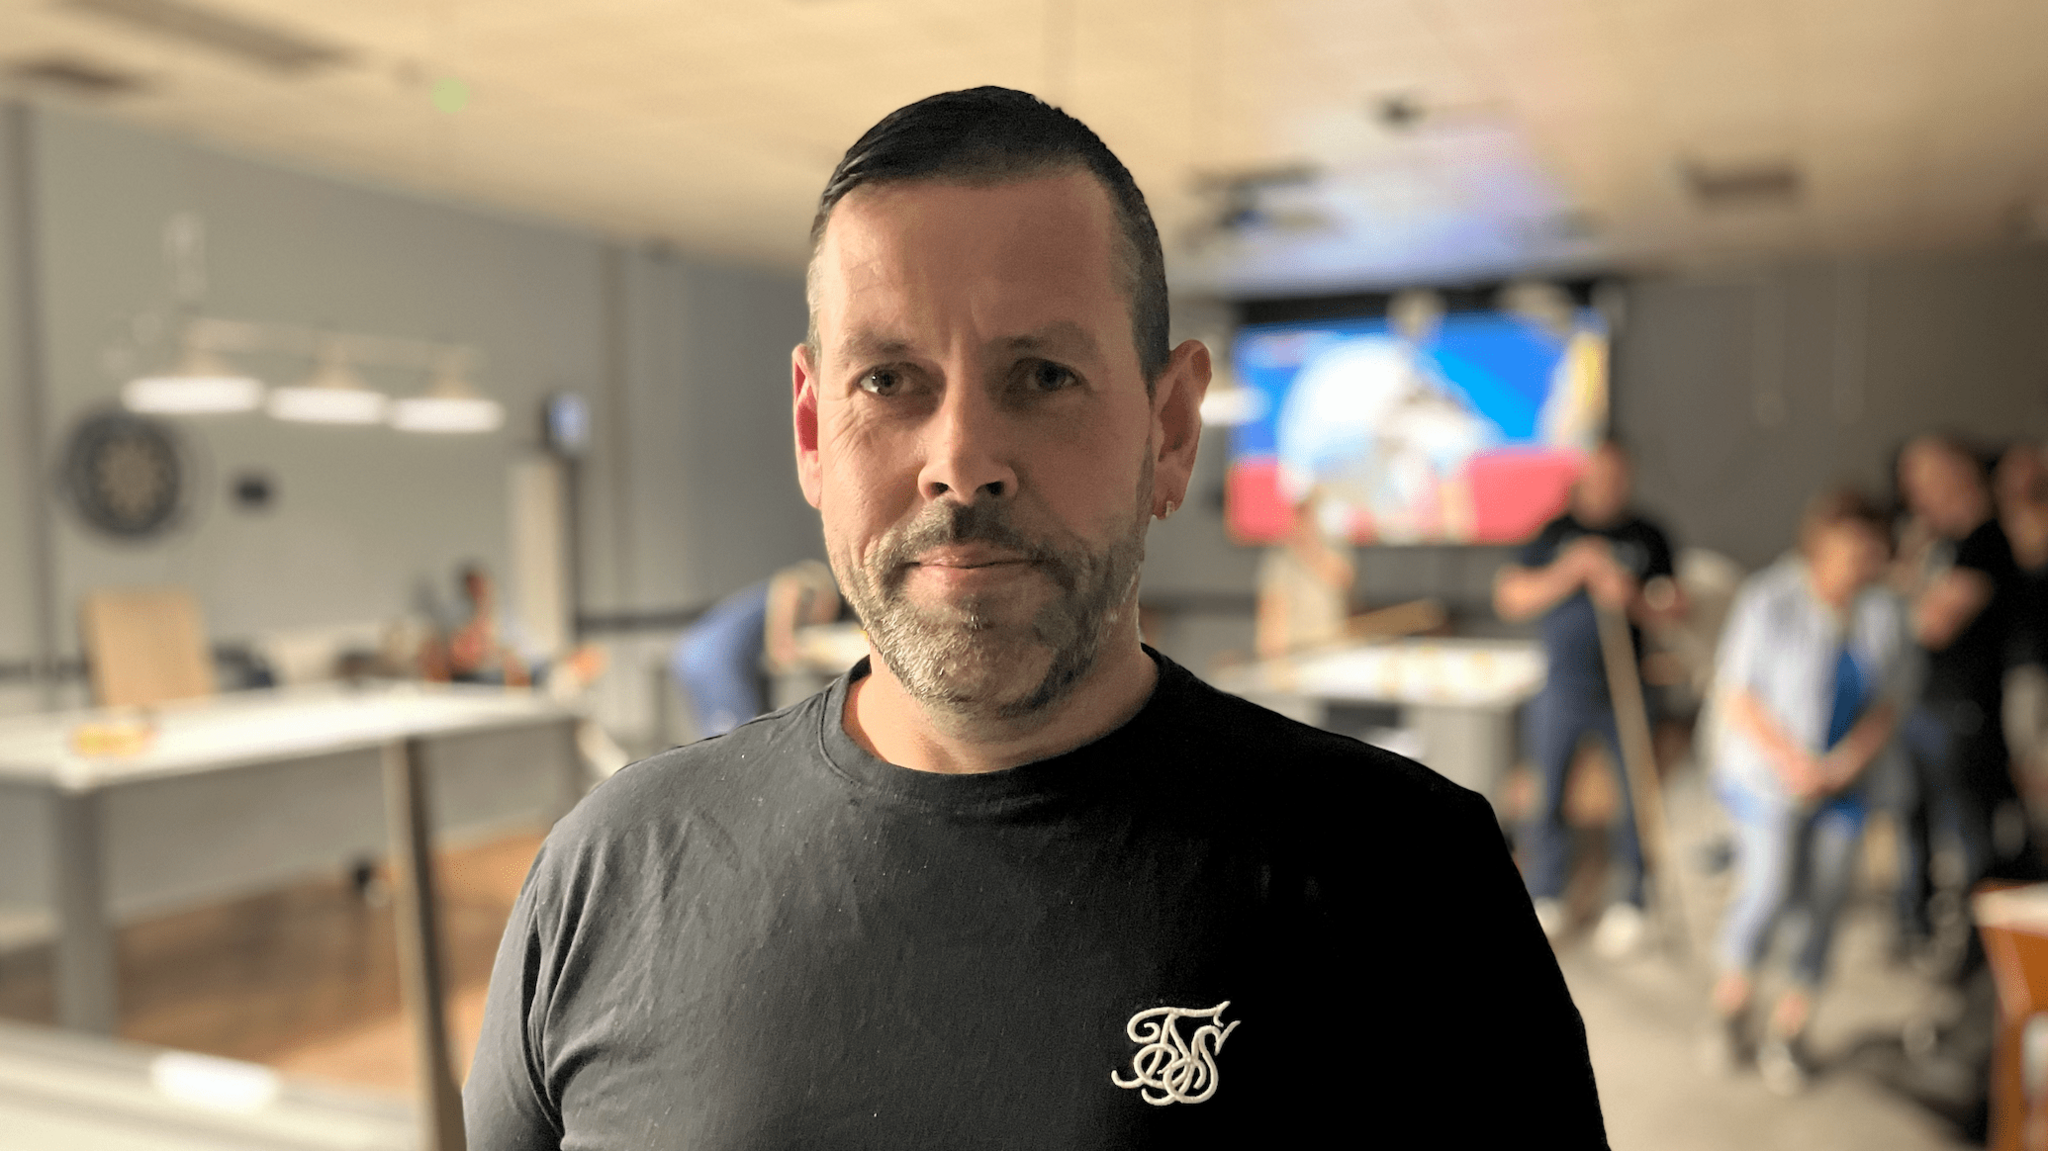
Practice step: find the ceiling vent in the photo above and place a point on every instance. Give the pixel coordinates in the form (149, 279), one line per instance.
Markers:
(73, 76)
(263, 45)
(1745, 184)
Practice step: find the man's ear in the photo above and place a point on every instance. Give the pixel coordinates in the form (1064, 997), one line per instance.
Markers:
(1177, 419)
(804, 411)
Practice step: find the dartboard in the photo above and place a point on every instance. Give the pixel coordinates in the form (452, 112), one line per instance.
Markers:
(125, 474)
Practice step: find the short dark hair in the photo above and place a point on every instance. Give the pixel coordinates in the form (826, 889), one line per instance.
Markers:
(1844, 507)
(995, 135)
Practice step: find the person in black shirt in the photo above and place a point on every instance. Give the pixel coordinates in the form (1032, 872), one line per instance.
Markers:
(1964, 616)
(1016, 880)
(1597, 551)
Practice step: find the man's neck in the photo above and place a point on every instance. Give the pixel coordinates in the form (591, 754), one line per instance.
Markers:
(892, 725)
(1601, 523)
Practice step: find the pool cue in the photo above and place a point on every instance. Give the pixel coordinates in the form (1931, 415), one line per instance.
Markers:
(1639, 766)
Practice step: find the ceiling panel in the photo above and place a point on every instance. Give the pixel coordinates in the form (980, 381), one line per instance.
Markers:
(1536, 132)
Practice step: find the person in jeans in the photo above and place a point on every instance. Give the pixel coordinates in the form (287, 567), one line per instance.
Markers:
(1813, 662)
(1598, 551)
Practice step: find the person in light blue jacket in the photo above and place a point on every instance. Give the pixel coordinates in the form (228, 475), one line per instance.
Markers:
(1814, 662)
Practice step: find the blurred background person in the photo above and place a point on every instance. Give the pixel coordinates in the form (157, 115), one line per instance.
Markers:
(723, 659)
(1598, 551)
(1964, 611)
(1305, 582)
(2021, 487)
(472, 651)
(1813, 664)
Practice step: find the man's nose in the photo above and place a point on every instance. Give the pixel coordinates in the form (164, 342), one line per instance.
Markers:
(967, 449)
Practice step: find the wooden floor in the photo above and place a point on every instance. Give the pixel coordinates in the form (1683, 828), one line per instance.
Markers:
(304, 979)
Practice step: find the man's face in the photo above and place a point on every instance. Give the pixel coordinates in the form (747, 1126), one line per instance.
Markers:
(977, 435)
(1848, 556)
(1943, 488)
(1602, 491)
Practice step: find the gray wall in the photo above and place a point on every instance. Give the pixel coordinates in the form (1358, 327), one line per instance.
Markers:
(1743, 395)
(19, 555)
(687, 493)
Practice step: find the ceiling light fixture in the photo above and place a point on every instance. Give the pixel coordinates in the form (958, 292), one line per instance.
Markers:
(332, 395)
(451, 405)
(200, 385)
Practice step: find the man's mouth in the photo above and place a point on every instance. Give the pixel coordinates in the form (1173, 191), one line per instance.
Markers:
(969, 557)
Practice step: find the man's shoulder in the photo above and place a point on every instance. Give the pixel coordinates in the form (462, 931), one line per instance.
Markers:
(1267, 759)
(1555, 530)
(742, 769)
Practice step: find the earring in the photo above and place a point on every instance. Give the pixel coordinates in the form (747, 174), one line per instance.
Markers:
(1167, 512)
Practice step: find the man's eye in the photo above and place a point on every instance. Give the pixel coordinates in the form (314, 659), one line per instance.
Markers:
(1047, 377)
(882, 382)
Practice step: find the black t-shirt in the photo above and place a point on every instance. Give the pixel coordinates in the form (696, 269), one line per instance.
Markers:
(1570, 631)
(1972, 667)
(1212, 927)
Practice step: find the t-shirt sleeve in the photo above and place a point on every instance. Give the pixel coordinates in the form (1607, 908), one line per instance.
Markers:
(1662, 562)
(1985, 550)
(504, 1101)
(1504, 1003)
(1539, 552)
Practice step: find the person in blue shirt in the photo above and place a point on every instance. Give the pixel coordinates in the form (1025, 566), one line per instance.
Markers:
(722, 660)
(1813, 664)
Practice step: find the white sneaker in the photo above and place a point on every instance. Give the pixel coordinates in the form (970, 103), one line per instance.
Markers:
(1621, 930)
(1550, 914)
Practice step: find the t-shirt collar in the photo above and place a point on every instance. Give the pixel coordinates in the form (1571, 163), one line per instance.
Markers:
(1093, 765)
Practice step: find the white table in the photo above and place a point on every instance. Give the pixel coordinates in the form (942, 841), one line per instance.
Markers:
(246, 792)
(1458, 695)
(62, 1091)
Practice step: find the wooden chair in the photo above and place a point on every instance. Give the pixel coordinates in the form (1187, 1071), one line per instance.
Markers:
(2013, 919)
(146, 646)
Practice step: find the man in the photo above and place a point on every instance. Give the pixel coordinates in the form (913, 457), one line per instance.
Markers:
(1964, 615)
(1597, 552)
(1016, 881)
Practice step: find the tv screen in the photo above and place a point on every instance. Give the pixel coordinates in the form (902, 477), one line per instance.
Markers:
(1467, 428)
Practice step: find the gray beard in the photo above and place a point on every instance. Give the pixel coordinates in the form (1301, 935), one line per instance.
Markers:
(961, 661)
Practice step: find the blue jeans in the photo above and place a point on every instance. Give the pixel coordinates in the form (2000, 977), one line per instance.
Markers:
(1795, 865)
(1554, 723)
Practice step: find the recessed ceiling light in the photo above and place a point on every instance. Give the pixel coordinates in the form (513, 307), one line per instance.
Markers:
(266, 45)
(1761, 183)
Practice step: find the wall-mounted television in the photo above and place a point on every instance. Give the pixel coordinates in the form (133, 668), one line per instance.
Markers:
(1466, 427)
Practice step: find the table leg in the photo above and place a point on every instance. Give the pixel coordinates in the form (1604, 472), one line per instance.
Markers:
(87, 998)
(1470, 746)
(419, 944)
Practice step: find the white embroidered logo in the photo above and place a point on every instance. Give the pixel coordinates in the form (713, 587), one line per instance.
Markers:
(1170, 1067)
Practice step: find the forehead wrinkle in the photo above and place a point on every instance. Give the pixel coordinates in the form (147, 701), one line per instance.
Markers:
(1058, 336)
(873, 344)
(872, 258)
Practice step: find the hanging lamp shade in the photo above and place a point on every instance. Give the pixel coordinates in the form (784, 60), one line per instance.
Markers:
(200, 385)
(333, 394)
(451, 406)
